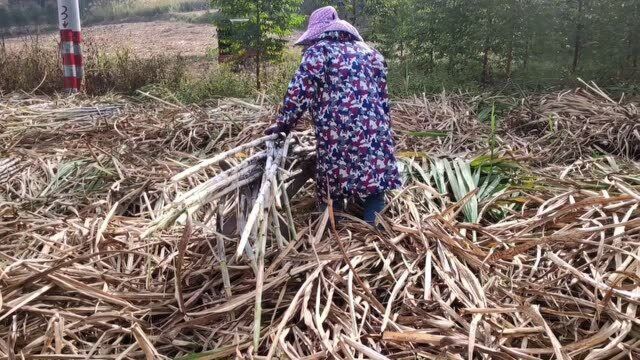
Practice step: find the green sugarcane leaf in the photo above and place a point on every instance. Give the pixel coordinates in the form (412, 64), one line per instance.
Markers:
(486, 160)
(438, 175)
(490, 189)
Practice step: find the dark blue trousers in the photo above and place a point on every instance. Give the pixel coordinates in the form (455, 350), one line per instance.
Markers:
(373, 205)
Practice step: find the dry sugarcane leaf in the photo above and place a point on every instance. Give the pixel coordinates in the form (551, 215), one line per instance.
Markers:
(370, 353)
(80, 288)
(145, 344)
(534, 313)
(23, 300)
(86, 154)
(422, 338)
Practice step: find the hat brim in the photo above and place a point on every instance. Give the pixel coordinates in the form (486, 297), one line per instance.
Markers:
(338, 25)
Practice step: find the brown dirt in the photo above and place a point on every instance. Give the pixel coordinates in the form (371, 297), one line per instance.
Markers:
(142, 38)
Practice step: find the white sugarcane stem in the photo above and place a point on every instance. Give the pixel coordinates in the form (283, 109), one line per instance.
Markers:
(276, 227)
(251, 220)
(259, 203)
(287, 207)
(283, 159)
(270, 155)
(203, 193)
(216, 159)
(260, 249)
(170, 217)
(222, 176)
(197, 197)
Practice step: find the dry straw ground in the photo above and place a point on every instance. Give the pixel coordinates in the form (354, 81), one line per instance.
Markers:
(132, 231)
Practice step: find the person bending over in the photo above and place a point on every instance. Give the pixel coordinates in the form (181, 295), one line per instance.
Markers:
(342, 82)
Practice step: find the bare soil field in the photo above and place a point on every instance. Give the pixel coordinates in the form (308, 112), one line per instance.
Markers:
(159, 37)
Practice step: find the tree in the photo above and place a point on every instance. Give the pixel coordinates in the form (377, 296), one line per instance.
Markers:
(353, 10)
(358, 12)
(577, 45)
(633, 38)
(529, 40)
(256, 28)
(5, 21)
(309, 6)
(396, 44)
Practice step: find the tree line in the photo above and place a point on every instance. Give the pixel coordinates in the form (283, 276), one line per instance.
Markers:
(500, 38)
(484, 41)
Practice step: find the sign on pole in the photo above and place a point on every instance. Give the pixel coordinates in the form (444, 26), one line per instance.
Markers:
(70, 42)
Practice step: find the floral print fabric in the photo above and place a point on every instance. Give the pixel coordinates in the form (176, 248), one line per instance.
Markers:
(343, 83)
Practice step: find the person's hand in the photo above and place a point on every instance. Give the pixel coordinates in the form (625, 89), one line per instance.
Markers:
(276, 129)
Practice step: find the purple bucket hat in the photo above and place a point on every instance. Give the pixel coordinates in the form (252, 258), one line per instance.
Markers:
(323, 20)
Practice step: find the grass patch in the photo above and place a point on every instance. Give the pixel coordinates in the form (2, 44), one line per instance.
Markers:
(229, 80)
(30, 68)
(36, 68)
(219, 83)
(125, 72)
(199, 17)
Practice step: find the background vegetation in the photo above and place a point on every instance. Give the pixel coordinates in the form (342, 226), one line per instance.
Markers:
(36, 68)
(495, 45)
(528, 43)
(256, 28)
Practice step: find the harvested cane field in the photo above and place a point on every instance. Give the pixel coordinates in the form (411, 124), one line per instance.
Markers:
(133, 231)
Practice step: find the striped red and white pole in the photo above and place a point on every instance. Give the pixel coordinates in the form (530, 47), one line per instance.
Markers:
(70, 43)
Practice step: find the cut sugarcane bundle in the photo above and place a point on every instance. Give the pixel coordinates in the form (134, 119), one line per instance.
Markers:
(263, 164)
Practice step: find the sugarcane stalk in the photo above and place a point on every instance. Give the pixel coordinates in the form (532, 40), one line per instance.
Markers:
(260, 249)
(196, 201)
(231, 182)
(276, 227)
(259, 203)
(249, 226)
(216, 159)
(287, 206)
(224, 177)
(263, 209)
(226, 280)
(285, 196)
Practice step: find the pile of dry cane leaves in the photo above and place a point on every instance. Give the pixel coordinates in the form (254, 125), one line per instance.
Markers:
(573, 124)
(132, 231)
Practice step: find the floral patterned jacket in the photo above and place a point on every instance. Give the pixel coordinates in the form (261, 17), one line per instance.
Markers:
(343, 83)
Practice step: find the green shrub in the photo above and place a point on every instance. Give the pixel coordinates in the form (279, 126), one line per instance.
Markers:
(228, 80)
(207, 17)
(412, 79)
(279, 75)
(219, 83)
(31, 14)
